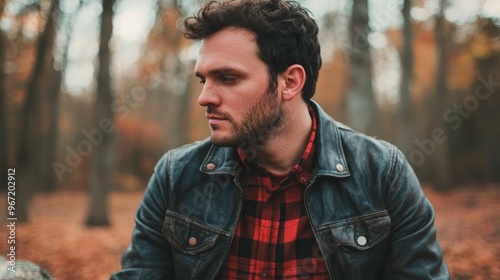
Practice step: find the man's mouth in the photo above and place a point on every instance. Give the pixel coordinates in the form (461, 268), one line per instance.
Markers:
(214, 119)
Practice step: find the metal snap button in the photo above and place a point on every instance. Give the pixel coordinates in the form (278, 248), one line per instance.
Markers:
(361, 241)
(339, 167)
(210, 166)
(192, 241)
(263, 275)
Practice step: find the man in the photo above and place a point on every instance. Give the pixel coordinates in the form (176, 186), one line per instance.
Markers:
(280, 190)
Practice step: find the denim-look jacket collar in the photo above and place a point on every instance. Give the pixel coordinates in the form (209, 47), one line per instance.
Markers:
(330, 155)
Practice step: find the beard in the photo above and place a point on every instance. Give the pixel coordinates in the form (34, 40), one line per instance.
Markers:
(261, 122)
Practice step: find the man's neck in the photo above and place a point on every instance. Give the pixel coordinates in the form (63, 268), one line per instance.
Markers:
(283, 151)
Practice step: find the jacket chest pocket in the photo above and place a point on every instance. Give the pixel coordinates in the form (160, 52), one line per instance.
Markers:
(195, 246)
(187, 236)
(357, 245)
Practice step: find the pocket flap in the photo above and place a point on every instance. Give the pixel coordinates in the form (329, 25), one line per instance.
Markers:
(362, 232)
(187, 235)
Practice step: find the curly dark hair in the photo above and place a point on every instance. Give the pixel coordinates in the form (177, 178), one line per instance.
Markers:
(286, 33)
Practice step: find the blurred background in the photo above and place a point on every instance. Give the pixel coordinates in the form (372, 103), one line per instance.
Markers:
(93, 92)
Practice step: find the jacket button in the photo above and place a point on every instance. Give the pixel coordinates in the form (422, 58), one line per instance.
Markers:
(361, 241)
(263, 275)
(210, 166)
(192, 241)
(339, 167)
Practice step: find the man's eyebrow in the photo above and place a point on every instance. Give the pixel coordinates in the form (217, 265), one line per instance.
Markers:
(219, 71)
(197, 74)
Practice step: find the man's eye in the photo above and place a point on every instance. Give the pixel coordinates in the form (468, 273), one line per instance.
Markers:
(227, 79)
(202, 81)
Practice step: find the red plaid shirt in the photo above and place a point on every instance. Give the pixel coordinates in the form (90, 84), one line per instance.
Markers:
(274, 239)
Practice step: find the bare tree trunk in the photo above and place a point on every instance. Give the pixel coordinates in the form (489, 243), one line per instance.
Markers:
(31, 151)
(45, 175)
(361, 107)
(180, 73)
(102, 156)
(54, 91)
(166, 43)
(405, 131)
(442, 159)
(3, 128)
(3, 133)
(487, 89)
(48, 180)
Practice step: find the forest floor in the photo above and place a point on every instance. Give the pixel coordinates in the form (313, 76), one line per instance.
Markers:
(468, 222)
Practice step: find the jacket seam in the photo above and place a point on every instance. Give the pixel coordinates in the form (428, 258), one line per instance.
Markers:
(392, 172)
(169, 171)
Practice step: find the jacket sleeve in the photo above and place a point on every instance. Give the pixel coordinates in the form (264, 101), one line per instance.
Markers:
(413, 251)
(149, 256)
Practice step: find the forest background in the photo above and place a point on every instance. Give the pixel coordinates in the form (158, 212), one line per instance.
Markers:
(92, 93)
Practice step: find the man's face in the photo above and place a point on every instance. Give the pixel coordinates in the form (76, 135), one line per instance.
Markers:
(240, 105)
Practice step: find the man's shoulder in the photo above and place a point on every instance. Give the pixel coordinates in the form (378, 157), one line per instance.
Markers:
(192, 149)
(369, 155)
(187, 154)
(350, 139)
(360, 140)
(340, 143)
(361, 147)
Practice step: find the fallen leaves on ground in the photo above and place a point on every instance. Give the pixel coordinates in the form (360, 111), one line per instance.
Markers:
(468, 222)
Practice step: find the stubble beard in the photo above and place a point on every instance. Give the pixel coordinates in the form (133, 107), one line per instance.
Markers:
(263, 121)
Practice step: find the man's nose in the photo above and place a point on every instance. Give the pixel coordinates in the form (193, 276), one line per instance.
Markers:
(208, 96)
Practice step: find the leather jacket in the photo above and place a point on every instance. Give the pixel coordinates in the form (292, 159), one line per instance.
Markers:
(365, 205)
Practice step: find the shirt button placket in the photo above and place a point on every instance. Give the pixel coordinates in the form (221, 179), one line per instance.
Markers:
(303, 179)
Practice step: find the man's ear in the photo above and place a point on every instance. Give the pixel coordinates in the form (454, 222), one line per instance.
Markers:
(294, 78)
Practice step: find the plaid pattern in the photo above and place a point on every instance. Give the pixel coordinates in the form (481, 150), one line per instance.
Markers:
(274, 239)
